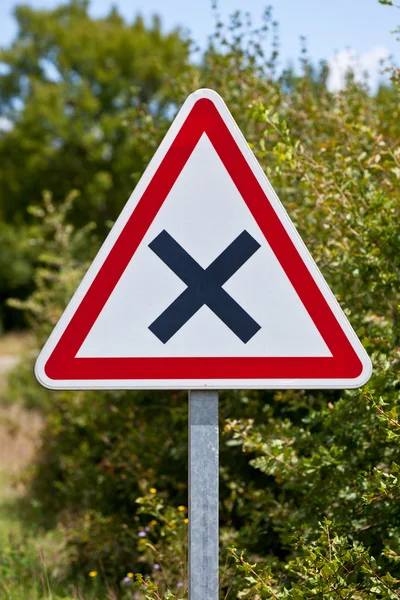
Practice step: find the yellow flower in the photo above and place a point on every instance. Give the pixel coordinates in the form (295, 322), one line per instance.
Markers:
(181, 508)
(130, 575)
(153, 523)
(186, 520)
(93, 574)
(153, 491)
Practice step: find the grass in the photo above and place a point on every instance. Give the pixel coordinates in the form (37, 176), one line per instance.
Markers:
(19, 435)
(23, 548)
(32, 562)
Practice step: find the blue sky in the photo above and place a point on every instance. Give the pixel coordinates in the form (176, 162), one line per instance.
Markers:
(344, 32)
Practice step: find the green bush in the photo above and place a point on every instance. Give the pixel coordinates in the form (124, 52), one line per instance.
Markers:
(309, 479)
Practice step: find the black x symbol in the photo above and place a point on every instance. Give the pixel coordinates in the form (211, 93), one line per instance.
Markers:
(204, 286)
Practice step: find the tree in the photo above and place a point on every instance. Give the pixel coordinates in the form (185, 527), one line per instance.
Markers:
(78, 93)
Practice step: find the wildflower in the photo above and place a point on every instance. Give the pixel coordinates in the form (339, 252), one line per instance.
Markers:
(156, 566)
(153, 523)
(147, 528)
(171, 523)
(130, 575)
(179, 584)
(153, 491)
(93, 574)
(186, 521)
(142, 534)
(182, 508)
(127, 581)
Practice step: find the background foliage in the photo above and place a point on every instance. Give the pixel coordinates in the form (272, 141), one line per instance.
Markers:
(83, 98)
(309, 479)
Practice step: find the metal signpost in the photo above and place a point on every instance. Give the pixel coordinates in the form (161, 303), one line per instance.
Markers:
(203, 495)
(203, 284)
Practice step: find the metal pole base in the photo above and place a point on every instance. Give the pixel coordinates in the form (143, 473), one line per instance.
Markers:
(203, 495)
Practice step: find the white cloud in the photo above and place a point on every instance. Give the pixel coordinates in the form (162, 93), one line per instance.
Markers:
(363, 65)
(5, 124)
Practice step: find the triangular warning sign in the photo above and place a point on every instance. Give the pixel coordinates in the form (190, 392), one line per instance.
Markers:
(203, 281)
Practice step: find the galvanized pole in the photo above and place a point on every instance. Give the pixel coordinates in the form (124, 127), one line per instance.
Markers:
(203, 495)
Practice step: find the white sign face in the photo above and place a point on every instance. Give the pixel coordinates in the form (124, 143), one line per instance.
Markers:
(203, 281)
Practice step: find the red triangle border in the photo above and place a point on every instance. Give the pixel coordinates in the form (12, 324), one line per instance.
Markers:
(63, 364)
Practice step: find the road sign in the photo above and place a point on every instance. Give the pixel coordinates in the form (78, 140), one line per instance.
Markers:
(203, 282)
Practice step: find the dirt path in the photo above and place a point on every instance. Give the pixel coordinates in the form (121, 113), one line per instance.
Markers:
(19, 438)
(19, 435)
(19, 428)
